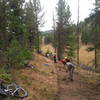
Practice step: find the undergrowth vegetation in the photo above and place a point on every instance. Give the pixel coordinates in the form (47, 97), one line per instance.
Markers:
(18, 55)
(5, 75)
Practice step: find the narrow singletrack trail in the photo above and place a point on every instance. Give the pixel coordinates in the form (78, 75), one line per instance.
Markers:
(76, 90)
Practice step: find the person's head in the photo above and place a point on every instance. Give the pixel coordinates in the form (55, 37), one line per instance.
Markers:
(67, 60)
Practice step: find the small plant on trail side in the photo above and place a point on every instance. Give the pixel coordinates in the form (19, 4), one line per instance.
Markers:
(5, 76)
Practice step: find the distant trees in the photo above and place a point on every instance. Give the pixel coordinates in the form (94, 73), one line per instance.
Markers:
(91, 32)
(49, 38)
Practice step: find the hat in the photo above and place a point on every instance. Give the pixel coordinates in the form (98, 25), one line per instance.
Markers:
(65, 57)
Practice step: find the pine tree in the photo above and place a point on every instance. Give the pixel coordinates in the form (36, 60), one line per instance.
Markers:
(37, 11)
(29, 20)
(33, 17)
(16, 26)
(4, 24)
(63, 23)
(97, 28)
(13, 35)
(91, 31)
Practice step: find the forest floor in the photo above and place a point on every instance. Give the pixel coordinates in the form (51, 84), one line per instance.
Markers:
(82, 88)
(48, 81)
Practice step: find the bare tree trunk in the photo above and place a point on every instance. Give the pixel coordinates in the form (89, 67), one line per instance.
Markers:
(96, 36)
(78, 39)
(59, 44)
(55, 39)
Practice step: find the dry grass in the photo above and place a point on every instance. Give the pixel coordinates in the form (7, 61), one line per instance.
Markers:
(49, 47)
(39, 81)
(85, 56)
(88, 76)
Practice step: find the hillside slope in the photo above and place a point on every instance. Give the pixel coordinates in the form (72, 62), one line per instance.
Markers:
(45, 80)
(40, 80)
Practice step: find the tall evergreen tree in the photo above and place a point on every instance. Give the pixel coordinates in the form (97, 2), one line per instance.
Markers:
(13, 35)
(29, 20)
(37, 11)
(16, 26)
(3, 23)
(90, 34)
(63, 22)
(33, 19)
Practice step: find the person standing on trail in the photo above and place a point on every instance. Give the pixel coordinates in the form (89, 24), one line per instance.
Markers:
(55, 58)
(70, 68)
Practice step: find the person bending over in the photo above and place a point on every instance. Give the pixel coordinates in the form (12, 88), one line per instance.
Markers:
(70, 68)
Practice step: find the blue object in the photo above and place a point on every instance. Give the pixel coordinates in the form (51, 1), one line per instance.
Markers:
(46, 65)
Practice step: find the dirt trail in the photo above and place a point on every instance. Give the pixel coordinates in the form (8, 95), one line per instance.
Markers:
(76, 90)
(49, 82)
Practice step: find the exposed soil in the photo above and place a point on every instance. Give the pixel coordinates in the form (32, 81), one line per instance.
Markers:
(79, 89)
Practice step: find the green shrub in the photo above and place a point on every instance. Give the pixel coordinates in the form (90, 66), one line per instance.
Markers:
(89, 49)
(4, 75)
(18, 55)
(96, 70)
(71, 46)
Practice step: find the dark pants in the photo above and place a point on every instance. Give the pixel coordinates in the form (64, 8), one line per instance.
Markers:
(55, 61)
(70, 73)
